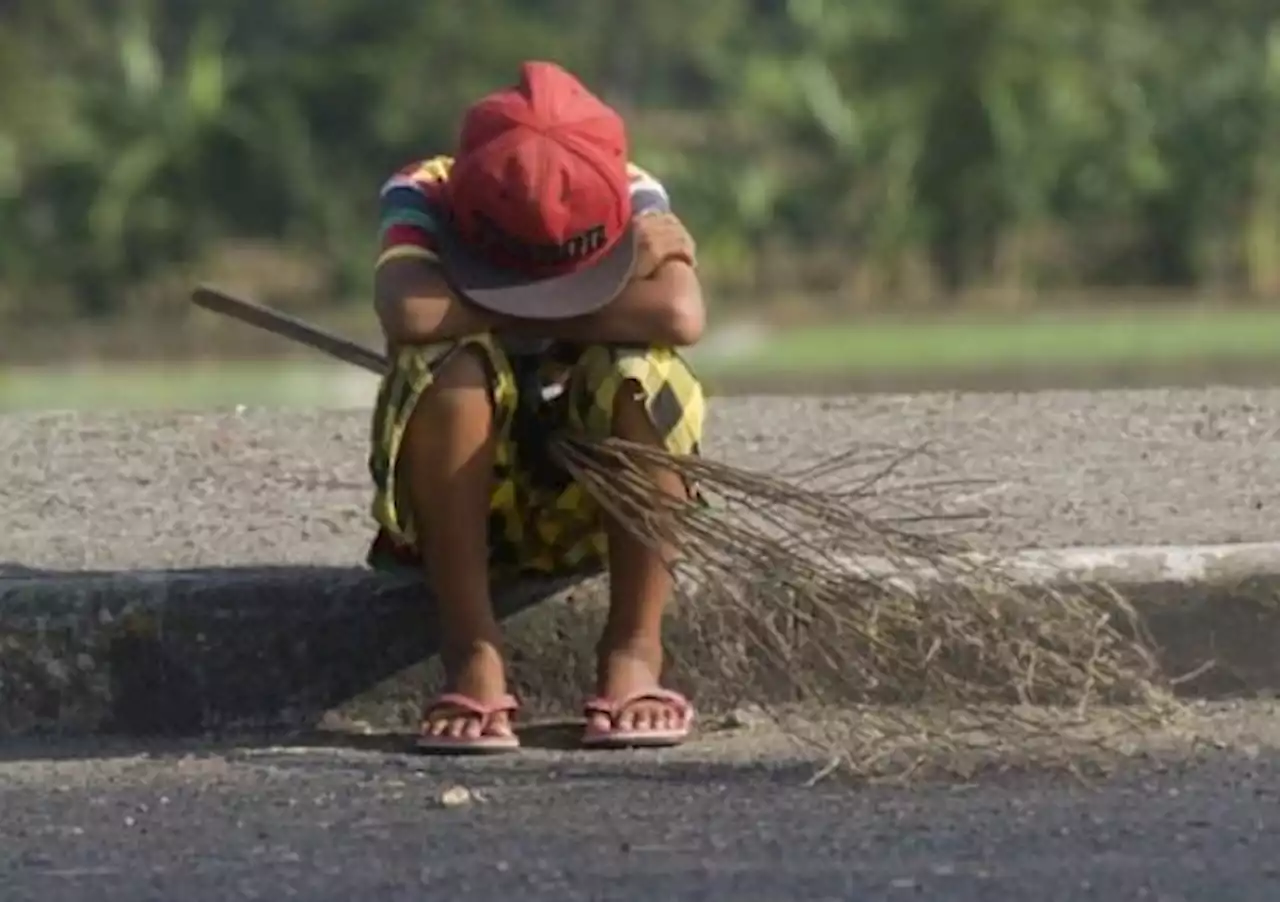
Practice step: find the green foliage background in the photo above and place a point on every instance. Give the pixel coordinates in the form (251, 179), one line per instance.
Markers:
(873, 153)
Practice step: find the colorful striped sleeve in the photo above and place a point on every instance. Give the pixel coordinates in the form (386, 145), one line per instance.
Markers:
(647, 193)
(409, 213)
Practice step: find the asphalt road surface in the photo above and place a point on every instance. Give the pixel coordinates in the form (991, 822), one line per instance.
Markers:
(702, 823)
(1057, 468)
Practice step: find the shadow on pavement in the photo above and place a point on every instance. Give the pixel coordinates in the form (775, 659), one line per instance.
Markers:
(194, 652)
(10, 570)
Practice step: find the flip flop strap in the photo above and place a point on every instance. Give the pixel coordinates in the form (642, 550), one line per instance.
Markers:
(504, 704)
(611, 708)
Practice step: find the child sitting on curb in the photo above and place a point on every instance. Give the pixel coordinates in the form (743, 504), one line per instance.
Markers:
(535, 281)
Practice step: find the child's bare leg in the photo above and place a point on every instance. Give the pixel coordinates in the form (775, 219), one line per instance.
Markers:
(630, 651)
(447, 460)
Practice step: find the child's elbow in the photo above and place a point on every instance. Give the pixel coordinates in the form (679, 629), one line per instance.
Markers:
(686, 318)
(687, 322)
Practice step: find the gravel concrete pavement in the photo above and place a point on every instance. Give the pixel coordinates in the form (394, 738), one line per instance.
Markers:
(85, 491)
(718, 820)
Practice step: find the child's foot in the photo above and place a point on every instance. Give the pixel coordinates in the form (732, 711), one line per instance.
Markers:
(632, 708)
(475, 714)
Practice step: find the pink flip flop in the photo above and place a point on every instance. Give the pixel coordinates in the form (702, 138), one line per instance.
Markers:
(615, 738)
(485, 743)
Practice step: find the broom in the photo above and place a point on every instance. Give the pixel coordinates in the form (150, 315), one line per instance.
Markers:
(775, 570)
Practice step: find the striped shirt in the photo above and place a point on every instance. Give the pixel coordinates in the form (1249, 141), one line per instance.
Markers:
(411, 207)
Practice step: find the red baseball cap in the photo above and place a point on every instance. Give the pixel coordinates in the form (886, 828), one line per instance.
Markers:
(539, 200)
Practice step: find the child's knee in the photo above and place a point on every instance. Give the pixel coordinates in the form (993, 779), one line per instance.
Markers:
(630, 415)
(454, 412)
(462, 387)
(465, 369)
(648, 396)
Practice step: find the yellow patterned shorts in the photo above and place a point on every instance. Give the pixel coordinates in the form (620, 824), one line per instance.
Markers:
(541, 522)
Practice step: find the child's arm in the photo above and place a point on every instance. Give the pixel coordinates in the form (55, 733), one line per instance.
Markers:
(413, 301)
(662, 306)
(416, 306)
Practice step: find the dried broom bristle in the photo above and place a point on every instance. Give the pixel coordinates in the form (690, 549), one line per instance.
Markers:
(774, 555)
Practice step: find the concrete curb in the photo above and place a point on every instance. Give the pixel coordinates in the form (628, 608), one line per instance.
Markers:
(1116, 565)
(190, 652)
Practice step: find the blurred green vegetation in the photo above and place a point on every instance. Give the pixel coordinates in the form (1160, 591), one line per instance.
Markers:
(1062, 348)
(885, 153)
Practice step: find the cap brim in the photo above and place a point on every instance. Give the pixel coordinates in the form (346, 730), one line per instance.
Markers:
(560, 297)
